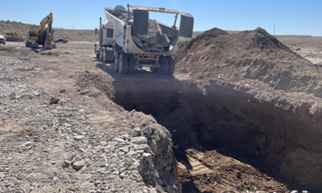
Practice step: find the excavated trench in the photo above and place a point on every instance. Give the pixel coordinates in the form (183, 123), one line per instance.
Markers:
(279, 141)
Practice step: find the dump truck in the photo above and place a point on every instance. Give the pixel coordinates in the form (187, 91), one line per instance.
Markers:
(132, 40)
(44, 36)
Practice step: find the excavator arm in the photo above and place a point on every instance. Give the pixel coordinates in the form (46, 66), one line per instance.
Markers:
(47, 20)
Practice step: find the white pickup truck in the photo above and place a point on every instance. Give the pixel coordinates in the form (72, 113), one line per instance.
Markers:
(132, 41)
(2, 40)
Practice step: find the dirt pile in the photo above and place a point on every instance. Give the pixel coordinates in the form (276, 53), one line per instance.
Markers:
(256, 55)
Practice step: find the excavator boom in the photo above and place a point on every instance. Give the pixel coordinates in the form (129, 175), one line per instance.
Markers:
(47, 20)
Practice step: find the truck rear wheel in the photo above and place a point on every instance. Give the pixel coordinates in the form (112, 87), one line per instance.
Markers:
(123, 63)
(171, 65)
(131, 64)
(116, 62)
(163, 70)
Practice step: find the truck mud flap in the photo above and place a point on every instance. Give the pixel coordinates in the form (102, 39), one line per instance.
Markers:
(186, 26)
(140, 22)
(109, 55)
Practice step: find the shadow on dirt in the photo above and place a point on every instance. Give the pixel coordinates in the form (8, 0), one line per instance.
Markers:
(202, 122)
(36, 50)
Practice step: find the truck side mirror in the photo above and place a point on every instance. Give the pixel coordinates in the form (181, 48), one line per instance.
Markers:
(140, 22)
(186, 26)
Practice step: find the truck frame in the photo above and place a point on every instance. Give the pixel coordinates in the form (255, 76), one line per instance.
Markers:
(116, 42)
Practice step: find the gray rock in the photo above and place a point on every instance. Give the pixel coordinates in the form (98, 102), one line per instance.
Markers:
(147, 130)
(125, 149)
(66, 164)
(139, 140)
(154, 33)
(147, 48)
(138, 41)
(122, 175)
(115, 173)
(78, 165)
(136, 132)
(118, 139)
(28, 143)
(155, 39)
(84, 92)
(146, 44)
(153, 190)
(146, 156)
(143, 147)
(154, 48)
(164, 42)
(78, 137)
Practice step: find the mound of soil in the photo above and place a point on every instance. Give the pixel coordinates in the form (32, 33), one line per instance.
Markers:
(256, 55)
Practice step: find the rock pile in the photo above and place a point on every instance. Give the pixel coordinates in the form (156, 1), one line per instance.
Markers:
(154, 41)
(55, 147)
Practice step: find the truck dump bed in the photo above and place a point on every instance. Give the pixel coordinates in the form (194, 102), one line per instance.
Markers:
(136, 33)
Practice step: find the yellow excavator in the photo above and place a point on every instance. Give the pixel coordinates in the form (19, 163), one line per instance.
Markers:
(44, 36)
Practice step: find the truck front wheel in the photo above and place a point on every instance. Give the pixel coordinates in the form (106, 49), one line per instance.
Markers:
(123, 63)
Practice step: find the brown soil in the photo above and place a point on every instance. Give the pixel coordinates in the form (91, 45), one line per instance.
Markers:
(213, 172)
(256, 55)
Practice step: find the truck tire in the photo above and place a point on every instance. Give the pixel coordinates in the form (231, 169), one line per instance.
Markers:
(154, 70)
(116, 62)
(123, 63)
(164, 66)
(131, 64)
(171, 65)
(103, 56)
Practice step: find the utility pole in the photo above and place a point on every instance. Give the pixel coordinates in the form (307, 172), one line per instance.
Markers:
(72, 26)
(274, 29)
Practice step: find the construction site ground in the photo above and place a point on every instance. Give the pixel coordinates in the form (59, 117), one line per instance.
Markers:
(88, 96)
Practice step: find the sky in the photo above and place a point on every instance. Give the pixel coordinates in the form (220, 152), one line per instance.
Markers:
(291, 17)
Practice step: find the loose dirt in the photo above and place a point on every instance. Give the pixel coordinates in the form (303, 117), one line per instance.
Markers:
(256, 55)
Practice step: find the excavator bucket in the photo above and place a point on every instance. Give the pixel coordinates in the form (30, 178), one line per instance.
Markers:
(48, 44)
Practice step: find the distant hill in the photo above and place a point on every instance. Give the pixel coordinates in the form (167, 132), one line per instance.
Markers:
(23, 29)
(79, 35)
